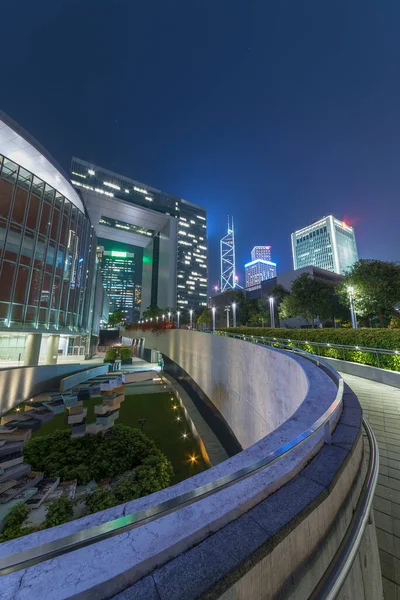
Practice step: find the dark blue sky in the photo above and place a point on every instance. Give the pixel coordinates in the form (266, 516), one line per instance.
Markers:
(276, 112)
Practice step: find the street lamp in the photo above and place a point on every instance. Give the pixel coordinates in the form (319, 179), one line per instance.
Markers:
(163, 318)
(350, 290)
(213, 317)
(191, 318)
(157, 319)
(227, 310)
(169, 317)
(178, 314)
(234, 313)
(271, 310)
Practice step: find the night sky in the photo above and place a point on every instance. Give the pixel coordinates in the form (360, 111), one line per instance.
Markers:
(276, 112)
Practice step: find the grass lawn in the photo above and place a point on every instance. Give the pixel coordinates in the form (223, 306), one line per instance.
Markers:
(161, 425)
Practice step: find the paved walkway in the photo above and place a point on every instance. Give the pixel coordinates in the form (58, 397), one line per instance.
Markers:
(381, 406)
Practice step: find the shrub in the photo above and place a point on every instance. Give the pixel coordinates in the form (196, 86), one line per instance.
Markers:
(100, 499)
(126, 353)
(111, 354)
(97, 457)
(13, 523)
(388, 339)
(59, 511)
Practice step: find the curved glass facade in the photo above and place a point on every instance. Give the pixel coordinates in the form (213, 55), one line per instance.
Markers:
(47, 256)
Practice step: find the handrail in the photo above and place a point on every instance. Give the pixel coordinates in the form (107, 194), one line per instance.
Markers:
(335, 576)
(38, 554)
(314, 343)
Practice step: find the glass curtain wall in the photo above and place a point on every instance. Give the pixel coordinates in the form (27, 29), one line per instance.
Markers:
(47, 255)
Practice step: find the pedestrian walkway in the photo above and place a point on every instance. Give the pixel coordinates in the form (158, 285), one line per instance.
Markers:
(381, 406)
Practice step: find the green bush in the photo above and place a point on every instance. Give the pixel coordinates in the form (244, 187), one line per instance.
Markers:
(59, 511)
(126, 353)
(388, 339)
(111, 354)
(154, 474)
(13, 523)
(97, 457)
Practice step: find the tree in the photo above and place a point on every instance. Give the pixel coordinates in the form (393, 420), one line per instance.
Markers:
(116, 318)
(13, 523)
(59, 511)
(152, 312)
(376, 288)
(310, 298)
(205, 317)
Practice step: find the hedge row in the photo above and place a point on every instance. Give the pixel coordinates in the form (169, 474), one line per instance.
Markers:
(371, 338)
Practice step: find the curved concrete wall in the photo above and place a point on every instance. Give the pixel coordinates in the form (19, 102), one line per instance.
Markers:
(274, 386)
(20, 383)
(208, 548)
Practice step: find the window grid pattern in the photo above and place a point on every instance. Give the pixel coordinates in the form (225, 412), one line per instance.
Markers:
(47, 255)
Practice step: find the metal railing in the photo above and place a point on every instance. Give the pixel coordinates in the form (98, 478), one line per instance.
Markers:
(342, 347)
(336, 575)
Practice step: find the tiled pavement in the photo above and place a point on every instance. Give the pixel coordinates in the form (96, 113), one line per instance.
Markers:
(381, 406)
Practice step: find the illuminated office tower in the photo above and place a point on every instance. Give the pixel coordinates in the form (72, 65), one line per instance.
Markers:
(118, 270)
(263, 252)
(329, 244)
(259, 270)
(170, 232)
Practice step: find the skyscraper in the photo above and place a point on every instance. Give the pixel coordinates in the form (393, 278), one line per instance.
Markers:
(259, 270)
(119, 272)
(263, 252)
(228, 260)
(169, 231)
(328, 244)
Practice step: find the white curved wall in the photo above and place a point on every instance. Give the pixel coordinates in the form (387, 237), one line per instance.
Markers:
(274, 385)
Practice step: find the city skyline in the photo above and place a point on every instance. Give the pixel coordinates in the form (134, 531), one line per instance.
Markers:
(305, 134)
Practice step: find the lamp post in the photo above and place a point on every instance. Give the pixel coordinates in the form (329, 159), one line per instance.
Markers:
(169, 317)
(227, 310)
(191, 318)
(163, 318)
(213, 317)
(178, 315)
(271, 310)
(350, 290)
(157, 319)
(234, 313)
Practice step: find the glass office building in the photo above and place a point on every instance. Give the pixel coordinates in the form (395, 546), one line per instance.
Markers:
(171, 232)
(329, 244)
(263, 252)
(259, 270)
(49, 280)
(119, 272)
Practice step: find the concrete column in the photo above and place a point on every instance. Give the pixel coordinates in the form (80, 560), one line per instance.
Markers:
(32, 349)
(52, 349)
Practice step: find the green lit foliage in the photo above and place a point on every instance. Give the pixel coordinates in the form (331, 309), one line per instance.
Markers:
(116, 318)
(97, 457)
(59, 511)
(154, 474)
(388, 339)
(310, 298)
(13, 523)
(376, 288)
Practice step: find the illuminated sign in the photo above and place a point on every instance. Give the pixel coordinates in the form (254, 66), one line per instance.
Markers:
(118, 254)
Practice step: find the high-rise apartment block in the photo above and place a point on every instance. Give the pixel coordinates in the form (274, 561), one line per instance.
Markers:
(329, 244)
(259, 270)
(263, 252)
(167, 232)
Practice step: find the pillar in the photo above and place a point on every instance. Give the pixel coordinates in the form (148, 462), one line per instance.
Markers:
(52, 349)
(32, 349)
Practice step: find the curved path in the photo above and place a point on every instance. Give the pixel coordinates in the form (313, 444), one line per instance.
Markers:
(381, 406)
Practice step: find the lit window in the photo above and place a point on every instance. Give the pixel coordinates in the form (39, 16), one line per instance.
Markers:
(111, 185)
